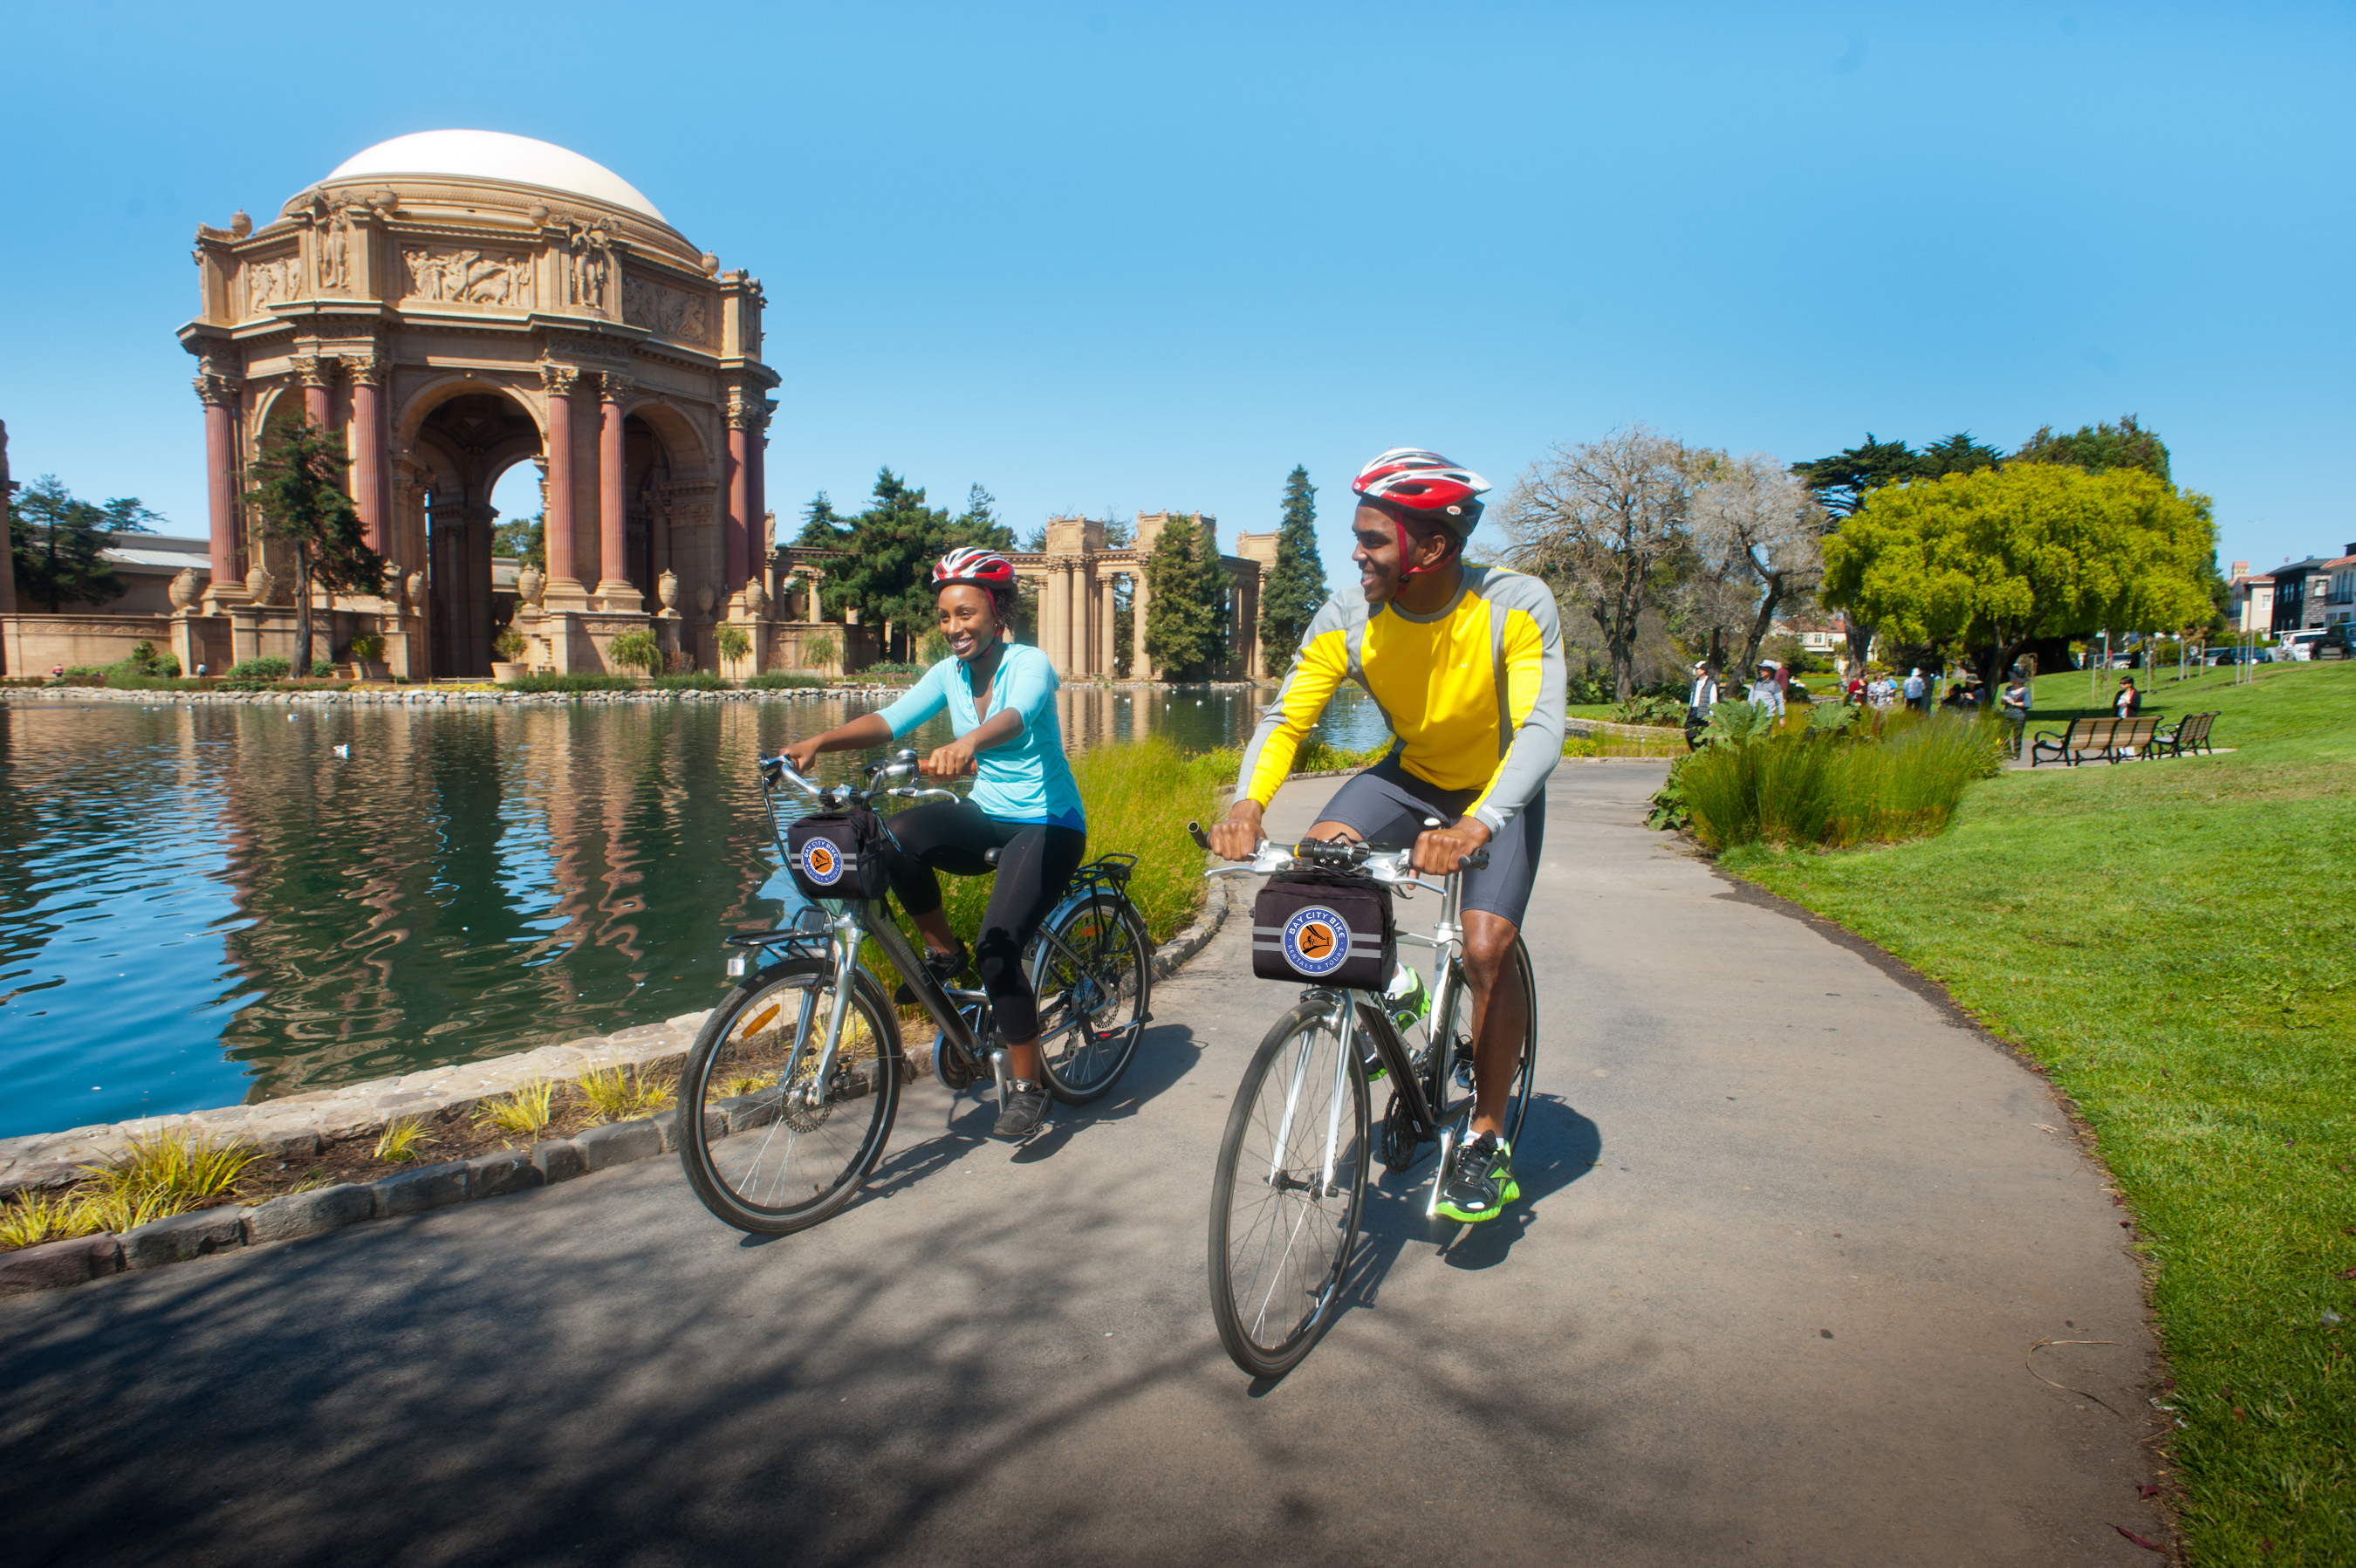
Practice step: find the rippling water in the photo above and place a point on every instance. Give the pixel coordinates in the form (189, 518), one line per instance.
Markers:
(200, 905)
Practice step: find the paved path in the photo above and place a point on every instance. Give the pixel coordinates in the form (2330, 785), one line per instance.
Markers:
(1788, 1238)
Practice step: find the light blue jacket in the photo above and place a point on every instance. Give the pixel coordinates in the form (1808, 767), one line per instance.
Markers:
(1025, 779)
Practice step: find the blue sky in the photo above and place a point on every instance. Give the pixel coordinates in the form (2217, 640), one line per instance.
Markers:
(1141, 256)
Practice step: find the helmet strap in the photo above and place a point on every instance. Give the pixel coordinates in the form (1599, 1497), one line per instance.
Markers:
(1406, 570)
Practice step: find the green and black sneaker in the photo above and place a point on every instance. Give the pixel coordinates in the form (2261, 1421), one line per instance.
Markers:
(1480, 1181)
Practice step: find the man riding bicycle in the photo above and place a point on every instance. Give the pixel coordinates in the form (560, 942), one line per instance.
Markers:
(1001, 697)
(1466, 663)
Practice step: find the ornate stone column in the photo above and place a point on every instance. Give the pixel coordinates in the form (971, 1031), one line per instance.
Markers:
(218, 394)
(735, 551)
(613, 525)
(756, 459)
(564, 575)
(367, 373)
(1109, 648)
(317, 405)
(1141, 667)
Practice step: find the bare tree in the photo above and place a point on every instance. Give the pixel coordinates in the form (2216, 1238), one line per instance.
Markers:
(1600, 522)
(1756, 531)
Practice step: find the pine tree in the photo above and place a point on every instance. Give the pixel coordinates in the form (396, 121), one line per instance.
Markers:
(979, 524)
(1296, 587)
(56, 543)
(298, 500)
(1186, 614)
(823, 527)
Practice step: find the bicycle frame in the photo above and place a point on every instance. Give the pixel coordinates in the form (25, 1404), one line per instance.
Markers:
(1427, 1107)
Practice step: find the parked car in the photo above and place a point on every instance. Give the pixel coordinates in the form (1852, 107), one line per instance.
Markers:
(2233, 655)
(2337, 641)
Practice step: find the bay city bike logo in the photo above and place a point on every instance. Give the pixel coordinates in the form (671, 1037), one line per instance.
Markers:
(821, 863)
(1316, 940)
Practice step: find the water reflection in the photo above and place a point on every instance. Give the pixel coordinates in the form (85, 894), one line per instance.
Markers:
(200, 905)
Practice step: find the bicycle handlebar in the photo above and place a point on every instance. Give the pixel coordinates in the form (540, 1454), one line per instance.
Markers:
(1348, 854)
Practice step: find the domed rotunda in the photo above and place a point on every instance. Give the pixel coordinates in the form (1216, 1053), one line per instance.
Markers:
(454, 303)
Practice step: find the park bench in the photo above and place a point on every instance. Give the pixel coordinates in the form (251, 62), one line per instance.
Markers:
(2189, 733)
(2084, 738)
(2133, 738)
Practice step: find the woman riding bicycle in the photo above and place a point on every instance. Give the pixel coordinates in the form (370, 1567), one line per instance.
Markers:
(1001, 697)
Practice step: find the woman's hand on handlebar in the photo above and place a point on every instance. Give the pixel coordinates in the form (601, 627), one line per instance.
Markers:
(1238, 835)
(954, 760)
(1437, 850)
(801, 755)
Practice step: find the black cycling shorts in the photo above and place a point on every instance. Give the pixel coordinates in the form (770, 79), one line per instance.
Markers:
(1387, 805)
(1035, 863)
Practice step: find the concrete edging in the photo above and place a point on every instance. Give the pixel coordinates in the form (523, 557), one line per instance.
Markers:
(205, 1232)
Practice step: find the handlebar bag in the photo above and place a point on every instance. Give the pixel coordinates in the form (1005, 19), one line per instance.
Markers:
(838, 854)
(1324, 927)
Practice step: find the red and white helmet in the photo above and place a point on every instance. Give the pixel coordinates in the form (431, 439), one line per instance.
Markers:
(984, 568)
(1411, 479)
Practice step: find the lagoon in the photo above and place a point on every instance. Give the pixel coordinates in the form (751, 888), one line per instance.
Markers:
(201, 904)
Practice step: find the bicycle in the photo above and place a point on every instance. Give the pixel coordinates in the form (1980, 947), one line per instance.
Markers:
(1291, 1182)
(782, 1117)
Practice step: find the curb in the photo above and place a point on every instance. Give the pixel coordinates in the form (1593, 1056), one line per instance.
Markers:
(202, 1233)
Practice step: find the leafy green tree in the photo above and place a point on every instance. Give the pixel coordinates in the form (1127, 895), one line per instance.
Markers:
(298, 500)
(523, 538)
(823, 527)
(1994, 559)
(1844, 480)
(1296, 587)
(1186, 609)
(56, 542)
(2099, 448)
(895, 543)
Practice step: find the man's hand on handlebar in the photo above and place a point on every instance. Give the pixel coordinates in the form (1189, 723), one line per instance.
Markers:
(1237, 836)
(1437, 850)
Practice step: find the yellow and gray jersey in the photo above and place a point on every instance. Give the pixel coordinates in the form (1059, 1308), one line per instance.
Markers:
(1475, 693)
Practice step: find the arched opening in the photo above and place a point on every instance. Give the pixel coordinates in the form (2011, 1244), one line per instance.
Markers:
(467, 443)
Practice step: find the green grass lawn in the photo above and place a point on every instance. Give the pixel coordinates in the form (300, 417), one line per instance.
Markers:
(2176, 943)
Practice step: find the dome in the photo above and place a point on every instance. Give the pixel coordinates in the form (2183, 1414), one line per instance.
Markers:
(495, 155)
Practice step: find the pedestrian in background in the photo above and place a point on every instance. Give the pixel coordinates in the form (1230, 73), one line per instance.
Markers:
(1766, 691)
(2015, 704)
(1918, 691)
(1698, 702)
(2129, 701)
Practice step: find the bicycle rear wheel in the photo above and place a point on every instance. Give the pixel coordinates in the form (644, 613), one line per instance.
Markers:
(1092, 969)
(767, 1148)
(1285, 1199)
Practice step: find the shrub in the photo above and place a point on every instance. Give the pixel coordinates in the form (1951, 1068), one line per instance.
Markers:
(274, 668)
(736, 643)
(510, 645)
(370, 646)
(581, 680)
(1655, 709)
(821, 652)
(1316, 756)
(691, 681)
(935, 647)
(783, 680)
(636, 649)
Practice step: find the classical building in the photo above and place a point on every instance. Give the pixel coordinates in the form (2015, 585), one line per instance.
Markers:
(456, 303)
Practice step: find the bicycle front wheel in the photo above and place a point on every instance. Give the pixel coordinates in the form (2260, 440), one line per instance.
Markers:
(1459, 1021)
(1092, 969)
(767, 1147)
(1285, 1201)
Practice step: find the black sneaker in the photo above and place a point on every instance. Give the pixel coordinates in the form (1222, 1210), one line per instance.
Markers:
(1480, 1181)
(944, 967)
(1025, 1109)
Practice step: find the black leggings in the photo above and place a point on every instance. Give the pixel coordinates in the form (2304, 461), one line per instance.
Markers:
(1035, 865)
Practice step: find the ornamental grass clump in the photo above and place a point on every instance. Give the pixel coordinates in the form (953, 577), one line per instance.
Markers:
(1830, 782)
(174, 1167)
(621, 1093)
(528, 1111)
(401, 1139)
